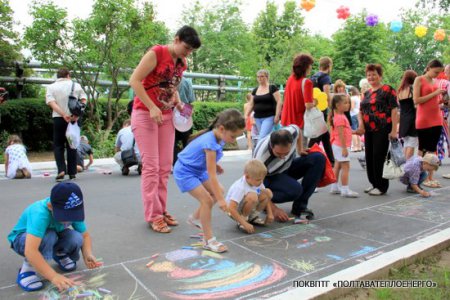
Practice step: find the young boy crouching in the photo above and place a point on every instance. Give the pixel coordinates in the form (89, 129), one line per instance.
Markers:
(416, 169)
(43, 233)
(248, 197)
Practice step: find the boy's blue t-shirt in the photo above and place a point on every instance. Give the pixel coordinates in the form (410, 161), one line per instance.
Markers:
(36, 219)
(194, 156)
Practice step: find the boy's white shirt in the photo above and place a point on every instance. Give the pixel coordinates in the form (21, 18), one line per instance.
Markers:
(240, 188)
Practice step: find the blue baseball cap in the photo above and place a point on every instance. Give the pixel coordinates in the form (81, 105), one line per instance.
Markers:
(67, 202)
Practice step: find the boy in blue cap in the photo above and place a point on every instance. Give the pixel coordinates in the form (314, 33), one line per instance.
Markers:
(43, 232)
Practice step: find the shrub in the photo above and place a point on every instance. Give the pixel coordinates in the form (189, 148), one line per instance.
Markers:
(31, 119)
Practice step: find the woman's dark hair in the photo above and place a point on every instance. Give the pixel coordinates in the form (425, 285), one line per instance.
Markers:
(190, 36)
(375, 68)
(301, 64)
(407, 80)
(337, 98)
(434, 63)
(62, 73)
(281, 137)
(231, 119)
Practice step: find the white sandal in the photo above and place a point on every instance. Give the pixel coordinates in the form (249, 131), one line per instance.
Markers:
(215, 246)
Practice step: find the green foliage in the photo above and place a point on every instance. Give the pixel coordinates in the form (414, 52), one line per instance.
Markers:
(273, 32)
(110, 40)
(356, 45)
(9, 49)
(412, 52)
(442, 4)
(30, 119)
(205, 112)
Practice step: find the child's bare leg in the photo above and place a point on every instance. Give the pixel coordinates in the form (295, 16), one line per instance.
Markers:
(337, 170)
(250, 202)
(263, 199)
(345, 167)
(204, 212)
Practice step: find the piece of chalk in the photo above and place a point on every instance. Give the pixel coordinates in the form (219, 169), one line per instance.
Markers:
(188, 247)
(46, 174)
(85, 294)
(195, 236)
(196, 244)
(104, 290)
(291, 218)
(305, 240)
(150, 263)
(155, 255)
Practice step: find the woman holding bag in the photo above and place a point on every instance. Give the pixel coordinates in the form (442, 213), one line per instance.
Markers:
(155, 81)
(296, 98)
(378, 122)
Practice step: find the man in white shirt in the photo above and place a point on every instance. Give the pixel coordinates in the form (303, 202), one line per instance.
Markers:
(57, 97)
(125, 141)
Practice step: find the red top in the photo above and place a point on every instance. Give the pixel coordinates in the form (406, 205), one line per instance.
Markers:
(428, 114)
(341, 120)
(294, 100)
(161, 83)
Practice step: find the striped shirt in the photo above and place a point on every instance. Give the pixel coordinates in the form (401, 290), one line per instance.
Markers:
(275, 165)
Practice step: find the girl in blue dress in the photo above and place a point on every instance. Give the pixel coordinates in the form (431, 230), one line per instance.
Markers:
(196, 171)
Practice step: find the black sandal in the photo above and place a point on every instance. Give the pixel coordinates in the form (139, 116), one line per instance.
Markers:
(60, 177)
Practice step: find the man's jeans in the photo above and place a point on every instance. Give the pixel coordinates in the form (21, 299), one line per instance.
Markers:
(67, 242)
(286, 188)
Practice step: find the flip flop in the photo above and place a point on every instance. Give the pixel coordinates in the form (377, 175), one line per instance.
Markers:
(446, 176)
(27, 288)
(62, 265)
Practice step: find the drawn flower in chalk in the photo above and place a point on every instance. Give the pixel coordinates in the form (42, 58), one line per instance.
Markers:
(322, 239)
(205, 277)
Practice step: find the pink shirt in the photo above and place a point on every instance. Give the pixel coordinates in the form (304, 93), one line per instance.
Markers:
(341, 120)
(428, 114)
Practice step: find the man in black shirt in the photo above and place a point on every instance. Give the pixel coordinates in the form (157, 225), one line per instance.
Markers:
(322, 80)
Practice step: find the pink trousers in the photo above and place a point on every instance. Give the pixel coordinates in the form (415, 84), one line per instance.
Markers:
(155, 143)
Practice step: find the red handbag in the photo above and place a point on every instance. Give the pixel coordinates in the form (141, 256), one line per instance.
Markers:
(328, 174)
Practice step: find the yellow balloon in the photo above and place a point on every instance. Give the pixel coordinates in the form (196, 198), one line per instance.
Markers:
(421, 31)
(322, 102)
(316, 92)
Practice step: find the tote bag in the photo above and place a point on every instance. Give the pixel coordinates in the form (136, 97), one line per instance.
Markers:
(314, 122)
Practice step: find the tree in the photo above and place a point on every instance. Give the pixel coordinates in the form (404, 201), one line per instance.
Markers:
(412, 52)
(227, 44)
(9, 49)
(356, 45)
(273, 33)
(443, 4)
(104, 46)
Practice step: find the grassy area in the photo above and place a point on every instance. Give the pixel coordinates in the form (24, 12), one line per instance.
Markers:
(435, 268)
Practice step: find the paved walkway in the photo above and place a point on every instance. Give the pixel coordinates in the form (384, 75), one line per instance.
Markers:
(345, 233)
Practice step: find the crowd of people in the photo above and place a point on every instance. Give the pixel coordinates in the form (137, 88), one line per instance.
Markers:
(54, 228)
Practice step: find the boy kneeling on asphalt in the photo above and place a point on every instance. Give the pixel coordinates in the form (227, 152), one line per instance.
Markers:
(416, 171)
(43, 233)
(248, 197)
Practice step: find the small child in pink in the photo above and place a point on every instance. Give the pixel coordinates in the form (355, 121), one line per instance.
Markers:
(341, 141)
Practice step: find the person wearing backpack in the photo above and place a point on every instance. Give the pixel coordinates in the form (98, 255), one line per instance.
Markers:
(322, 80)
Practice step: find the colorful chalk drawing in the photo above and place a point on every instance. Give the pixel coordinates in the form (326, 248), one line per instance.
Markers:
(86, 288)
(266, 242)
(201, 276)
(416, 208)
(302, 265)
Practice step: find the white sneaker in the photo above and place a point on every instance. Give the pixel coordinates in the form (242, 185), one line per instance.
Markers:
(367, 190)
(349, 194)
(194, 222)
(335, 191)
(376, 192)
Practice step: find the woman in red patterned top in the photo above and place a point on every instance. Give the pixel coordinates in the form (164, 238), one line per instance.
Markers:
(155, 82)
(426, 94)
(378, 122)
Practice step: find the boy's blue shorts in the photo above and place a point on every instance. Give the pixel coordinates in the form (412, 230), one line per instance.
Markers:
(186, 179)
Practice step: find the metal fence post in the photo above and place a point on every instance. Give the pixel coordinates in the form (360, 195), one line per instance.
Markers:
(221, 91)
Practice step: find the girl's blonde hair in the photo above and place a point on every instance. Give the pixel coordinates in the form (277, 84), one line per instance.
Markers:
(14, 139)
(231, 119)
(337, 98)
(255, 168)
